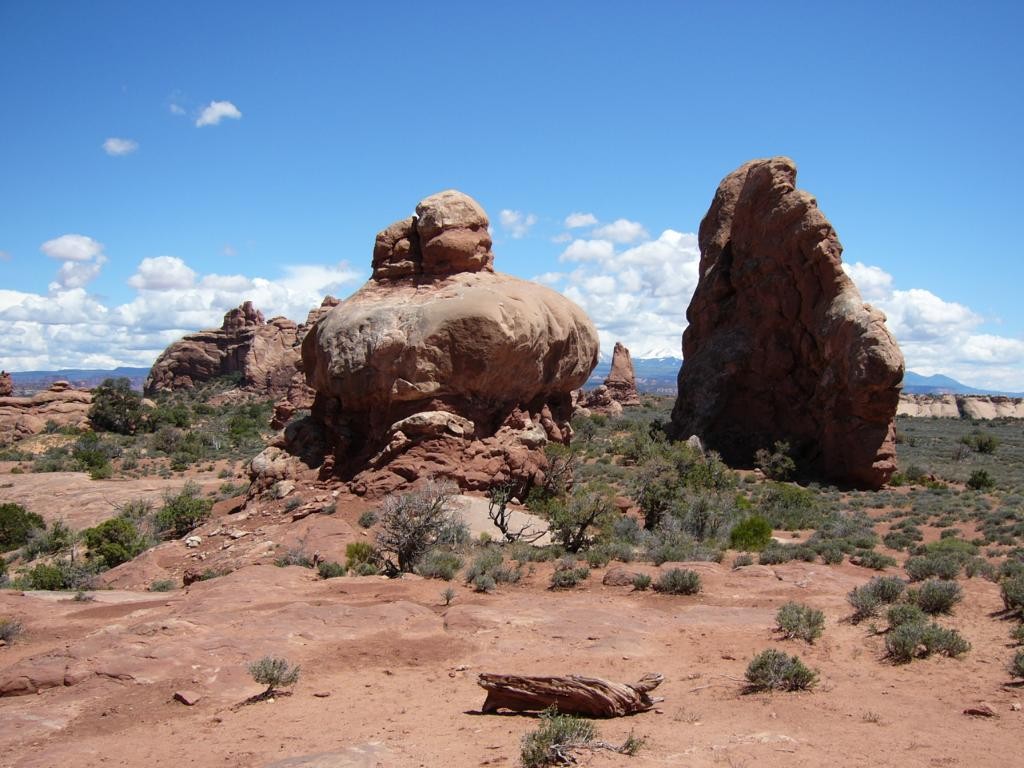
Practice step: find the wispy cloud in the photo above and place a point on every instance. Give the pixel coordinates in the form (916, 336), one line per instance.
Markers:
(576, 220)
(216, 111)
(516, 223)
(116, 147)
(621, 231)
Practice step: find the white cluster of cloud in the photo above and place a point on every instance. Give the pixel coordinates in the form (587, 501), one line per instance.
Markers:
(116, 147)
(636, 289)
(216, 111)
(516, 223)
(70, 328)
(939, 336)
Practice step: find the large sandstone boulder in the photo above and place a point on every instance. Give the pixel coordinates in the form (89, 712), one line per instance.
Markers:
(439, 365)
(617, 391)
(60, 405)
(265, 354)
(779, 344)
(6, 384)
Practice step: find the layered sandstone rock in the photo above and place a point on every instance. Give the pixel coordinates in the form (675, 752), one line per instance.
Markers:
(617, 391)
(439, 365)
(779, 344)
(60, 405)
(961, 406)
(265, 354)
(6, 384)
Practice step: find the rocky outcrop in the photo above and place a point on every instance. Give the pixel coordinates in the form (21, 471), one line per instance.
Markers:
(265, 355)
(779, 344)
(439, 365)
(961, 406)
(619, 388)
(60, 406)
(6, 384)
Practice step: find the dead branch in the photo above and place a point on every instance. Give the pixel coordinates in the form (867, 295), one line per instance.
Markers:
(572, 694)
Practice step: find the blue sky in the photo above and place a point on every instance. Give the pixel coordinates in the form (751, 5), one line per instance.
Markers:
(329, 121)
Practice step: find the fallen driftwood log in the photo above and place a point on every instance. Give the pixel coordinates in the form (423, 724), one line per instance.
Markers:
(572, 694)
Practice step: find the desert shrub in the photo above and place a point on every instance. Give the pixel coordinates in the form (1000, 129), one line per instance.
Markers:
(359, 552)
(979, 566)
(869, 558)
(59, 575)
(574, 520)
(10, 629)
(980, 480)
(952, 546)
(916, 639)
(330, 570)
(831, 555)
(904, 613)
(485, 562)
(412, 523)
(616, 550)
(790, 507)
(775, 553)
(439, 564)
(114, 541)
(937, 596)
(776, 464)
(367, 519)
(484, 583)
(655, 487)
(366, 569)
(670, 543)
(751, 534)
(597, 557)
(941, 565)
(162, 585)
(773, 670)
(182, 512)
(865, 603)
(116, 407)
(1017, 664)
(556, 735)
(888, 589)
(16, 524)
(678, 581)
(567, 574)
(1012, 591)
(275, 673)
(795, 620)
(641, 582)
(50, 541)
(743, 560)
(294, 556)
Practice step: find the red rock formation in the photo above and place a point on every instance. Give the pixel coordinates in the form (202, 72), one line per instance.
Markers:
(266, 355)
(60, 404)
(6, 384)
(779, 345)
(618, 390)
(439, 365)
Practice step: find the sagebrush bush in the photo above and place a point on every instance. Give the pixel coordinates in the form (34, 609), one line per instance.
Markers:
(182, 512)
(359, 553)
(1012, 591)
(484, 582)
(163, 585)
(751, 534)
(367, 519)
(797, 621)
(905, 613)
(567, 574)
(742, 560)
(916, 639)
(773, 670)
(889, 589)
(937, 596)
(439, 564)
(10, 629)
(330, 570)
(1017, 664)
(114, 541)
(941, 565)
(641, 582)
(555, 735)
(869, 558)
(678, 581)
(275, 673)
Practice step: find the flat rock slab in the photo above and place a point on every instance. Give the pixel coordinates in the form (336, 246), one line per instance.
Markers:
(368, 755)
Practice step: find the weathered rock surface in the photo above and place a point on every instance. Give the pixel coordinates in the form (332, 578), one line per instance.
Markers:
(265, 354)
(60, 404)
(439, 365)
(619, 388)
(6, 384)
(779, 344)
(961, 406)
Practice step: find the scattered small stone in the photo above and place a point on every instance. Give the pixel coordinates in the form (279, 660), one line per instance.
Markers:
(237, 533)
(982, 710)
(322, 694)
(193, 541)
(188, 698)
(1015, 707)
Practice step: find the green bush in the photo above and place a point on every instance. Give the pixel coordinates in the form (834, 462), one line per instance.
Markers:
(116, 407)
(869, 558)
(358, 553)
(58, 576)
(914, 639)
(274, 673)
(742, 560)
(678, 581)
(889, 589)
(567, 574)
(412, 523)
(330, 570)
(751, 534)
(773, 670)
(940, 564)
(10, 629)
(790, 507)
(367, 519)
(777, 463)
(484, 583)
(556, 735)
(163, 585)
(439, 564)
(904, 613)
(1017, 664)
(641, 582)
(937, 596)
(980, 480)
(16, 524)
(182, 512)
(114, 541)
(795, 620)
(1012, 591)
(57, 538)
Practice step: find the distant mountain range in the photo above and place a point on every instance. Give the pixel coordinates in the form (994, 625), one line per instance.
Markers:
(654, 375)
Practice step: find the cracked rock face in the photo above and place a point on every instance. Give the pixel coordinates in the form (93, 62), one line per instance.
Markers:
(440, 365)
(779, 344)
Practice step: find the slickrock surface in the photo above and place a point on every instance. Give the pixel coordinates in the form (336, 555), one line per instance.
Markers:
(779, 344)
(60, 404)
